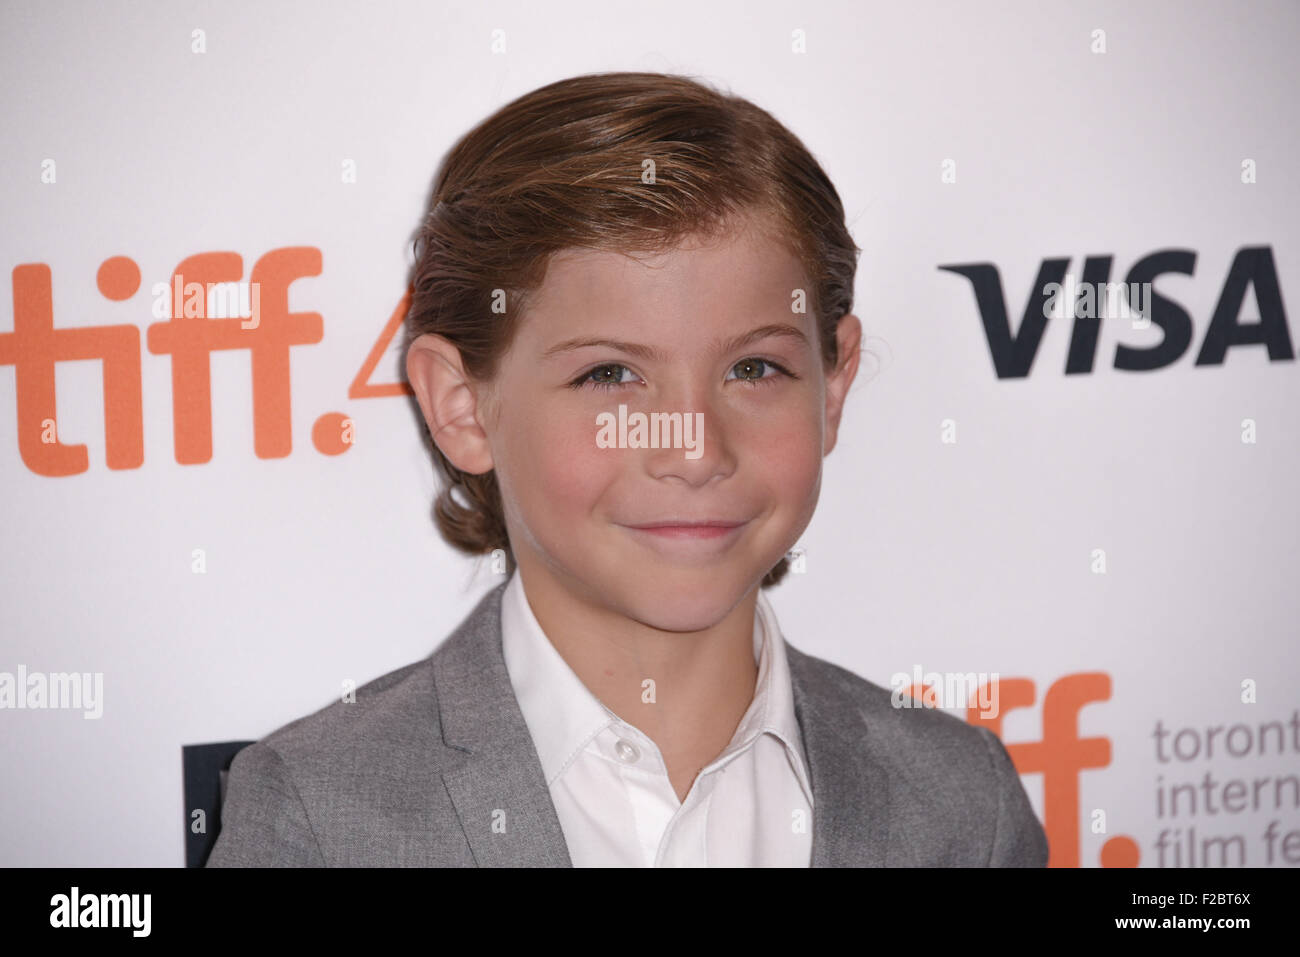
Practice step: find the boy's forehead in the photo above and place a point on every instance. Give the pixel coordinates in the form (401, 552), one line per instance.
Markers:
(742, 270)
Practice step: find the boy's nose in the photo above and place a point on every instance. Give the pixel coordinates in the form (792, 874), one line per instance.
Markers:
(696, 454)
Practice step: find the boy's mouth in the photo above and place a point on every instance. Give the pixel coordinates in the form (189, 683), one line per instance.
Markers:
(686, 530)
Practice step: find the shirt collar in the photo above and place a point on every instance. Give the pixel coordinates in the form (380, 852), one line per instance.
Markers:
(563, 715)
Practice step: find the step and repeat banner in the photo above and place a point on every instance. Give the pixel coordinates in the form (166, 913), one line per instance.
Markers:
(1063, 503)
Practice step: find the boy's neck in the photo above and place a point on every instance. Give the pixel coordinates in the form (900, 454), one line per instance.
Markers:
(704, 681)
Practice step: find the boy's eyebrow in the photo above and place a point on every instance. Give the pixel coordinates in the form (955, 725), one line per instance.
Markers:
(654, 355)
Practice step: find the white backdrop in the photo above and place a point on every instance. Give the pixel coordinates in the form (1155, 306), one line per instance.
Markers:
(974, 555)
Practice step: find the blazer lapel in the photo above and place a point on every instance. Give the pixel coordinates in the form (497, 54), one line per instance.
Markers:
(850, 788)
(499, 790)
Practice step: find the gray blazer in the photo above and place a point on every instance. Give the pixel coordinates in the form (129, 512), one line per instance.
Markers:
(433, 766)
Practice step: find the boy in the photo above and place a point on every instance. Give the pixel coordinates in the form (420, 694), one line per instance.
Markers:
(636, 249)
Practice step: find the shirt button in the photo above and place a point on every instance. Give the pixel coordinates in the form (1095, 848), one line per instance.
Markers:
(627, 752)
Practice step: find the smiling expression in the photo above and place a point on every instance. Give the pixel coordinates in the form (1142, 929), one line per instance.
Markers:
(672, 541)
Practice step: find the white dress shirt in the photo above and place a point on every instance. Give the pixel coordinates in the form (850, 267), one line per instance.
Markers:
(750, 807)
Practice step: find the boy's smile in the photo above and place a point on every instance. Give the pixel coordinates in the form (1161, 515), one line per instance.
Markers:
(677, 542)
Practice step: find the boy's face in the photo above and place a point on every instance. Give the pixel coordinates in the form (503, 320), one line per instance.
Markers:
(656, 330)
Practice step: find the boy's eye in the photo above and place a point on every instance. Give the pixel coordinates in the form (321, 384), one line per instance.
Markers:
(602, 377)
(752, 370)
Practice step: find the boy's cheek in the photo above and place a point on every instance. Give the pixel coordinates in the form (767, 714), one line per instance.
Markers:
(571, 471)
(790, 439)
(790, 457)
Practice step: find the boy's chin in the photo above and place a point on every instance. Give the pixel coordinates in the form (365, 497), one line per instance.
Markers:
(685, 599)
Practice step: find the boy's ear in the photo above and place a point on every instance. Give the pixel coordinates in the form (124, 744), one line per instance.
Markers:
(449, 403)
(848, 336)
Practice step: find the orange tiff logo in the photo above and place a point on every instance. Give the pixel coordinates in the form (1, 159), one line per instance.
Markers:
(188, 337)
(1059, 755)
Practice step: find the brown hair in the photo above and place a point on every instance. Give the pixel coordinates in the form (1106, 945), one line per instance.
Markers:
(562, 167)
